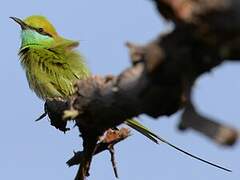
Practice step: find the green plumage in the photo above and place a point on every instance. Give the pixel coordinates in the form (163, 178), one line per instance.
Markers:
(52, 65)
(52, 72)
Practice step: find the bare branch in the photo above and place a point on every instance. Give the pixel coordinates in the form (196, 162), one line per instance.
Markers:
(220, 133)
(111, 138)
(113, 160)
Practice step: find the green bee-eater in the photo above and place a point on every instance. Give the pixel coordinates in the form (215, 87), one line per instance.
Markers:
(52, 67)
(52, 64)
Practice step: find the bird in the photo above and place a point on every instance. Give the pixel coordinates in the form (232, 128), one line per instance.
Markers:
(53, 65)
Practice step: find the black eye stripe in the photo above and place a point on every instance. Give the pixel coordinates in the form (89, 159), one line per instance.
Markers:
(41, 31)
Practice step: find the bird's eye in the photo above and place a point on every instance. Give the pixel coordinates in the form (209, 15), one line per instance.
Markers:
(43, 32)
(40, 30)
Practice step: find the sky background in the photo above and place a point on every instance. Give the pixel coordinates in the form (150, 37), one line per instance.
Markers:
(35, 150)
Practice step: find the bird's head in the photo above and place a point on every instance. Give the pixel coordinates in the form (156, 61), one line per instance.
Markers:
(36, 30)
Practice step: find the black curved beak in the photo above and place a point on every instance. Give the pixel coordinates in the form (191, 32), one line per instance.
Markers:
(20, 22)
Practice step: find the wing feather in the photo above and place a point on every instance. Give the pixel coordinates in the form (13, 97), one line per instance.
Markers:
(52, 73)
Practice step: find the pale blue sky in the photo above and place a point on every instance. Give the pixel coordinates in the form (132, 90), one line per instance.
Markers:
(31, 150)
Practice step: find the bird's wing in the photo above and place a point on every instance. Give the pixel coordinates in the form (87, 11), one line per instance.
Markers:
(49, 73)
(72, 57)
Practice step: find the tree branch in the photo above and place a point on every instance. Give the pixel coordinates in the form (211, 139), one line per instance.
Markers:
(163, 72)
(219, 133)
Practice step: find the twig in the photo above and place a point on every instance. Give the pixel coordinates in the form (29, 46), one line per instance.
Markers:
(103, 145)
(112, 153)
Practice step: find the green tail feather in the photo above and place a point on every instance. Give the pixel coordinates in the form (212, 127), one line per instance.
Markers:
(155, 138)
(142, 129)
